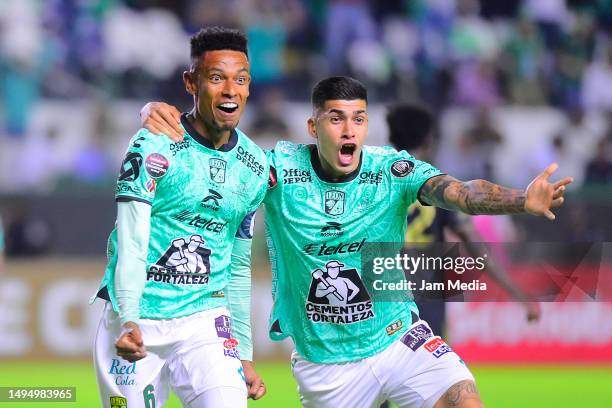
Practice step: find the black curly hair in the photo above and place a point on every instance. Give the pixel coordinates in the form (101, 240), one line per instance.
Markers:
(217, 38)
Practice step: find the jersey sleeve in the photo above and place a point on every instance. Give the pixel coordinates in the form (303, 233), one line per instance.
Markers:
(262, 187)
(144, 166)
(409, 174)
(133, 228)
(239, 287)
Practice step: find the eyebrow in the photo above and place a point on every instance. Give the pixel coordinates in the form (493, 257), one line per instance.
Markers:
(341, 112)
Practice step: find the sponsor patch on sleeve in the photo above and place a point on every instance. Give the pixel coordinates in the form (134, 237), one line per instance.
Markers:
(151, 186)
(156, 165)
(402, 168)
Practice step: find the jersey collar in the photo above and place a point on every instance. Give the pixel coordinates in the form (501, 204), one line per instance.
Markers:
(231, 143)
(316, 165)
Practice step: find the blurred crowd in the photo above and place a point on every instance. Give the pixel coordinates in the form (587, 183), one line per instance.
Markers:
(474, 54)
(515, 85)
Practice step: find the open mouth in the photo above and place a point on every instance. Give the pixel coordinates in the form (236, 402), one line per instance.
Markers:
(347, 151)
(228, 107)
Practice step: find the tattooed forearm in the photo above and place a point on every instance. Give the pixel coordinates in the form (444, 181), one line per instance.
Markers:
(460, 392)
(473, 197)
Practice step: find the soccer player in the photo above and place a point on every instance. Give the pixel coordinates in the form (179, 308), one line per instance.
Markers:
(412, 128)
(180, 252)
(348, 195)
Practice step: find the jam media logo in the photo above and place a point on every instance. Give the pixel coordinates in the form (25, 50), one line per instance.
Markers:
(334, 202)
(338, 296)
(211, 201)
(130, 168)
(118, 402)
(217, 170)
(124, 373)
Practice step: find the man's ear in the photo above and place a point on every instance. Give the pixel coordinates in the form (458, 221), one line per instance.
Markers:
(190, 83)
(312, 128)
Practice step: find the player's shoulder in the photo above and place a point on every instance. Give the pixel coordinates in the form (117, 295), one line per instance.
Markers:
(285, 148)
(146, 141)
(387, 158)
(245, 142)
(285, 151)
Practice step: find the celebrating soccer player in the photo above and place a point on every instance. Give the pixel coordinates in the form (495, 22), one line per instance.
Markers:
(351, 351)
(180, 252)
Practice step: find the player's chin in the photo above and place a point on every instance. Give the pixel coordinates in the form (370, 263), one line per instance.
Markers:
(227, 125)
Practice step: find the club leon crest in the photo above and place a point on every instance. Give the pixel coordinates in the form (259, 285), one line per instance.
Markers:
(334, 202)
(217, 170)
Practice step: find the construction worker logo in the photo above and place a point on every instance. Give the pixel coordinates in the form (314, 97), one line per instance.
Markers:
(187, 256)
(337, 296)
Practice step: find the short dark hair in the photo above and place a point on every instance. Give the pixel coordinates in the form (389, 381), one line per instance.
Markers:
(337, 87)
(217, 38)
(409, 125)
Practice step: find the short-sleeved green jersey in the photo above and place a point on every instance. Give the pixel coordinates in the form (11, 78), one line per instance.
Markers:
(202, 199)
(316, 231)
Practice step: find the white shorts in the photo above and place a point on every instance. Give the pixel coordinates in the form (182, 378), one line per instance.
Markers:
(192, 354)
(413, 372)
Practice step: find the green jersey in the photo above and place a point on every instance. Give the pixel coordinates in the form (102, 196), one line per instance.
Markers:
(201, 200)
(316, 232)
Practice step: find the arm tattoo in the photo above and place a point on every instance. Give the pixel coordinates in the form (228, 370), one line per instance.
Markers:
(472, 197)
(460, 392)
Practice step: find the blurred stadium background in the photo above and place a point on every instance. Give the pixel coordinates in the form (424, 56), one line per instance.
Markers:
(515, 85)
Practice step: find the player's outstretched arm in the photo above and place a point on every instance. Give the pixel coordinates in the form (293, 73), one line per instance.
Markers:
(133, 229)
(483, 197)
(159, 117)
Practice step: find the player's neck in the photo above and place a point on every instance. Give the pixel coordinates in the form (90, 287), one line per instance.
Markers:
(326, 171)
(217, 137)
